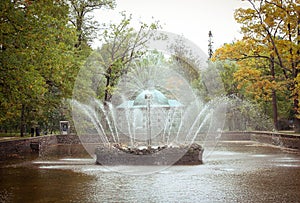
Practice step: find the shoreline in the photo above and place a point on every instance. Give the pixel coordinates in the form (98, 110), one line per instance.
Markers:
(19, 148)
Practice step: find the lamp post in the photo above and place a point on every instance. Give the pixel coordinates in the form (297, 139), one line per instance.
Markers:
(148, 98)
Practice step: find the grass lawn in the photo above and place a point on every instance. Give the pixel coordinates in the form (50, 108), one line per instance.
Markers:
(15, 134)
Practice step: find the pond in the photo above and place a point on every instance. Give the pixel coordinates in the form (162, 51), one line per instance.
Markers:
(243, 171)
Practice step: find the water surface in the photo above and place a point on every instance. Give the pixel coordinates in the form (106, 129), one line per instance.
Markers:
(234, 172)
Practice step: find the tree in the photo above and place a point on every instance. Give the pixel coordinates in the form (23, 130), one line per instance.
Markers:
(37, 69)
(82, 19)
(121, 45)
(226, 70)
(271, 45)
(210, 45)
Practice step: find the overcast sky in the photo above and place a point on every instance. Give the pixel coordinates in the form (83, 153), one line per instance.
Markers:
(191, 18)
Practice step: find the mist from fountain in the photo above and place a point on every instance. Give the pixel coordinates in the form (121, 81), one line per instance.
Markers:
(152, 106)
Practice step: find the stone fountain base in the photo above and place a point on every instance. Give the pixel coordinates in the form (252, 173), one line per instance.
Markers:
(159, 155)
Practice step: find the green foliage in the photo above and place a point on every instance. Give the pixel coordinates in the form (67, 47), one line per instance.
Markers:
(81, 17)
(226, 71)
(244, 115)
(121, 45)
(38, 62)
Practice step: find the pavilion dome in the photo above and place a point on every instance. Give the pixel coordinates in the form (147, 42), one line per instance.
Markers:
(157, 98)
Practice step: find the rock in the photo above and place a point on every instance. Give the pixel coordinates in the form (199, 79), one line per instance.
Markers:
(162, 155)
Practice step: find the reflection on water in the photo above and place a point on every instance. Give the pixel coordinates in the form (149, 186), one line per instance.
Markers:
(234, 172)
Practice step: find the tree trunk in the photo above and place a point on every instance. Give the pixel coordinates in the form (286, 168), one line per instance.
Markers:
(295, 72)
(22, 123)
(79, 22)
(296, 107)
(297, 125)
(296, 101)
(275, 111)
(107, 95)
(274, 96)
(296, 120)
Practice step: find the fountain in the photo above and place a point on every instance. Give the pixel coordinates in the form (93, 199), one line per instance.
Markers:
(153, 118)
(150, 116)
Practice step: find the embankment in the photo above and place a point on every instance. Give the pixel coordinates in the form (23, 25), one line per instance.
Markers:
(71, 144)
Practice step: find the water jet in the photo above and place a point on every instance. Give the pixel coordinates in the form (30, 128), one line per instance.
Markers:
(153, 116)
